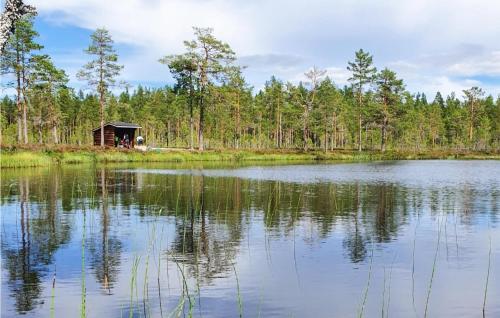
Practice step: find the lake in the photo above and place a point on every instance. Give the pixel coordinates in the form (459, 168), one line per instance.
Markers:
(399, 239)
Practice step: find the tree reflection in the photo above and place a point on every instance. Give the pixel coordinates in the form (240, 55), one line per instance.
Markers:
(30, 250)
(211, 215)
(105, 249)
(206, 240)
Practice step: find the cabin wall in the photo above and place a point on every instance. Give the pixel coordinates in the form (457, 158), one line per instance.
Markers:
(109, 136)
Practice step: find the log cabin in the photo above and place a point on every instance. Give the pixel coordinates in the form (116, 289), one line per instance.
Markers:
(115, 129)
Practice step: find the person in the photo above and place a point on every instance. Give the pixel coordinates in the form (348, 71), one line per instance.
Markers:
(140, 140)
(117, 140)
(126, 141)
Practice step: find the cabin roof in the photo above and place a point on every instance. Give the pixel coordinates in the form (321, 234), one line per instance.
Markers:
(119, 124)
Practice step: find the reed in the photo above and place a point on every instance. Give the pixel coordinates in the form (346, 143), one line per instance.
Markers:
(487, 281)
(185, 293)
(53, 295)
(413, 269)
(383, 296)
(434, 263)
(133, 284)
(83, 310)
(159, 271)
(240, 302)
(365, 294)
(389, 288)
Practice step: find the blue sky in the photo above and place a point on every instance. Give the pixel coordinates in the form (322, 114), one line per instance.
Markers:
(433, 45)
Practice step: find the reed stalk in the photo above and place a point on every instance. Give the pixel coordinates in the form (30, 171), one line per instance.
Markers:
(429, 289)
(365, 296)
(240, 302)
(487, 281)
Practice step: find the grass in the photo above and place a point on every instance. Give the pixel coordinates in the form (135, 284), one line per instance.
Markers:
(53, 295)
(44, 156)
(83, 302)
(240, 302)
(365, 293)
(429, 289)
(487, 280)
(133, 284)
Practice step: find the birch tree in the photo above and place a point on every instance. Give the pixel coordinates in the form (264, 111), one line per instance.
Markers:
(14, 11)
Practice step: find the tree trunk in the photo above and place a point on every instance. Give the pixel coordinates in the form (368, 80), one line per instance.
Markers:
(471, 124)
(359, 123)
(384, 133)
(326, 137)
(18, 98)
(54, 133)
(306, 115)
(25, 122)
(238, 128)
(201, 124)
(168, 133)
(334, 131)
(101, 113)
(191, 126)
(40, 135)
(19, 112)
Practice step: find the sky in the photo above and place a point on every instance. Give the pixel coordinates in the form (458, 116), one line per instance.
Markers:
(445, 45)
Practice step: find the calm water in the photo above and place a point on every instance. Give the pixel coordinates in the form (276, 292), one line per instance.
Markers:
(311, 240)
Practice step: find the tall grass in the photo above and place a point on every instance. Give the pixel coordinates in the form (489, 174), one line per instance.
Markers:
(240, 302)
(83, 310)
(413, 268)
(487, 281)
(24, 159)
(434, 263)
(79, 155)
(133, 284)
(365, 294)
(53, 295)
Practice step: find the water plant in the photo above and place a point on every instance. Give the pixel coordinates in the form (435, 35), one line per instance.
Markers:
(434, 263)
(487, 280)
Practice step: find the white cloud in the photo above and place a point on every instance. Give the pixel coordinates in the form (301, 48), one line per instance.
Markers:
(486, 64)
(428, 42)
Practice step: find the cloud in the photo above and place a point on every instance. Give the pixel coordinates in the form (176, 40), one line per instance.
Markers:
(484, 64)
(442, 43)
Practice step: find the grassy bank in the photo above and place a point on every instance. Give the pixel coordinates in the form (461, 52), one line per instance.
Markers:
(16, 158)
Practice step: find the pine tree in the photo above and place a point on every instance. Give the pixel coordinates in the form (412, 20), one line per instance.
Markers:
(101, 72)
(212, 58)
(362, 73)
(473, 95)
(17, 59)
(47, 80)
(389, 88)
(183, 69)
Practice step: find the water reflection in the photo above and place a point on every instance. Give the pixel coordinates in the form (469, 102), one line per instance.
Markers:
(105, 248)
(28, 249)
(209, 222)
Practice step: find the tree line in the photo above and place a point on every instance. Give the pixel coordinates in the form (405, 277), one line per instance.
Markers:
(211, 105)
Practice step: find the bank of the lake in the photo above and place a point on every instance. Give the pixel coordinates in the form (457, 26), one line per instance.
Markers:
(45, 156)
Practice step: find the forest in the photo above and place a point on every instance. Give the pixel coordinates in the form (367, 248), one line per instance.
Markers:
(211, 106)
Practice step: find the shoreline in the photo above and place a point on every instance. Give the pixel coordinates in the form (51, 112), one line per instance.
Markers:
(62, 155)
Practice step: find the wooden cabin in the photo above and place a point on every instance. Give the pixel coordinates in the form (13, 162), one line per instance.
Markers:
(115, 129)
